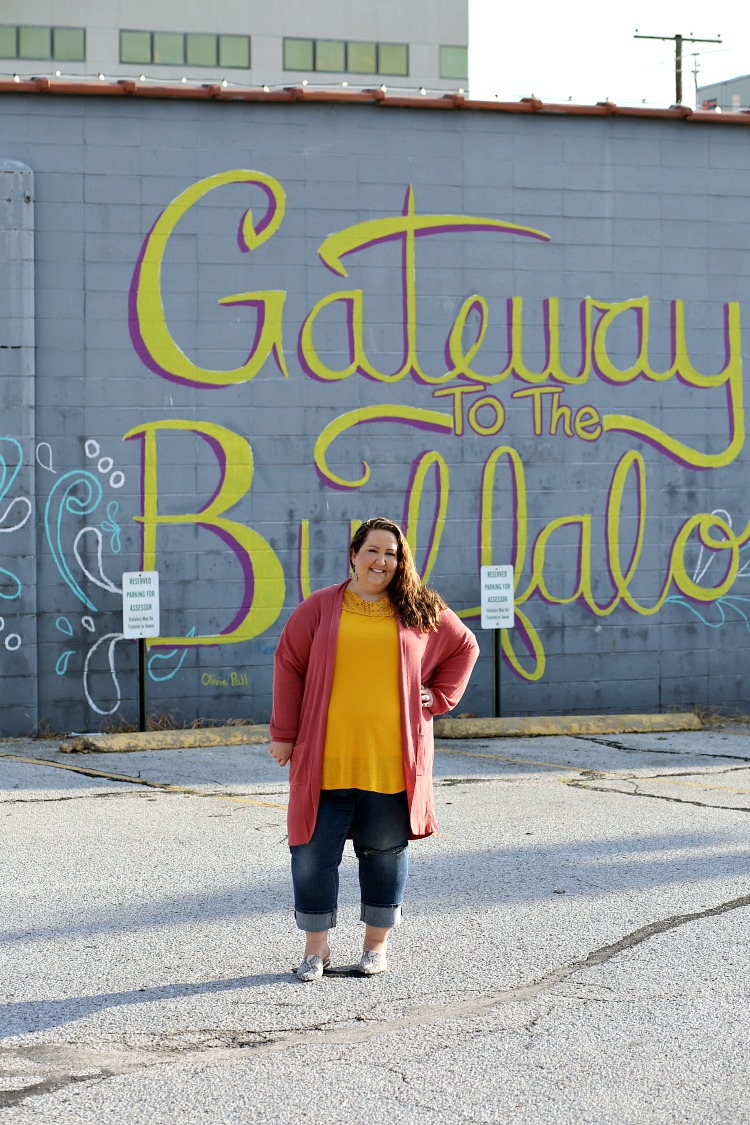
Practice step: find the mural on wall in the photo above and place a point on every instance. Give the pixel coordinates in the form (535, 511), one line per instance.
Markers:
(460, 399)
(74, 499)
(236, 367)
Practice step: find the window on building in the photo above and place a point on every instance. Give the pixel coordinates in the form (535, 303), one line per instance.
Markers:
(69, 44)
(234, 51)
(135, 46)
(201, 50)
(335, 56)
(174, 48)
(168, 48)
(65, 43)
(362, 58)
(299, 54)
(330, 55)
(454, 62)
(393, 58)
(8, 43)
(35, 42)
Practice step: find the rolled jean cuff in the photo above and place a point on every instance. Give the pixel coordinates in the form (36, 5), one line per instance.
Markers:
(385, 917)
(316, 923)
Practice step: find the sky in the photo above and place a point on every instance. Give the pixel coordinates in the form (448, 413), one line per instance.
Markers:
(585, 51)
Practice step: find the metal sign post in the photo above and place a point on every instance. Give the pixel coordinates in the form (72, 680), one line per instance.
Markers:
(140, 619)
(498, 612)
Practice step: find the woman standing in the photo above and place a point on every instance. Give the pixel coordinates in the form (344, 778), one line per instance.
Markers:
(361, 668)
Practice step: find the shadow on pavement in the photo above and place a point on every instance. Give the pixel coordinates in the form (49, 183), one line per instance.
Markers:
(27, 1016)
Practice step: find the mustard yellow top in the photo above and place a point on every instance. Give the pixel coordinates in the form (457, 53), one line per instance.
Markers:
(363, 734)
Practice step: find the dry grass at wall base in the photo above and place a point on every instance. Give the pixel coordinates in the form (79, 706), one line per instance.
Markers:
(165, 721)
(46, 731)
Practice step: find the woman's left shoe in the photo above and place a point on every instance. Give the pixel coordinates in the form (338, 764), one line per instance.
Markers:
(372, 962)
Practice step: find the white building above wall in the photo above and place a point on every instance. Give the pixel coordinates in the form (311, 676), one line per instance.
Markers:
(419, 45)
(729, 96)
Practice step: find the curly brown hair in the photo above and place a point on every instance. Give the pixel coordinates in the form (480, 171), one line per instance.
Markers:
(415, 604)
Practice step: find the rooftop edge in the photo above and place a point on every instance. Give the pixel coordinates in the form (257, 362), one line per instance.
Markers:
(380, 96)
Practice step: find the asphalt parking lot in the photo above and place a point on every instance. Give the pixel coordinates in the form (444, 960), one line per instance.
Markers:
(576, 944)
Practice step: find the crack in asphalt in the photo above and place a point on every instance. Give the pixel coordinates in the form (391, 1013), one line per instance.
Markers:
(692, 773)
(615, 745)
(635, 791)
(220, 1048)
(10, 1098)
(448, 782)
(66, 797)
(185, 790)
(128, 779)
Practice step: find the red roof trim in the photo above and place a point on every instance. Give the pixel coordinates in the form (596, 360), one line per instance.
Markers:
(128, 87)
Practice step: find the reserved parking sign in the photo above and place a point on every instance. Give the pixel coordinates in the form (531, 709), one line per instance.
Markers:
(140, 603)
(498, 608)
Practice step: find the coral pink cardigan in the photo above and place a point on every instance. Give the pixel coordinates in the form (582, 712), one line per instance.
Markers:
(303, 673)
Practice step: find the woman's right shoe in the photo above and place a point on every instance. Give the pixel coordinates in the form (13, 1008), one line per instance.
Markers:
(313, 967)
(372, 962)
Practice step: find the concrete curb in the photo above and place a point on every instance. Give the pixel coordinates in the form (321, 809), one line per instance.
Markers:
(165, 740)
(533, 726)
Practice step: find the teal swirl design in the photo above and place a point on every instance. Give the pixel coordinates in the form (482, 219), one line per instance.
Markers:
(65, 499)
(162, 666)
(725, 607)
(112, 527)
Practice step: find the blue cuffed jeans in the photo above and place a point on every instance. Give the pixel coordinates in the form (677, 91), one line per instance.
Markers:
(379, 826)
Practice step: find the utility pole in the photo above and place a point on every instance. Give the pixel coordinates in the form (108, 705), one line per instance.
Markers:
(678, 41)
(696, 68)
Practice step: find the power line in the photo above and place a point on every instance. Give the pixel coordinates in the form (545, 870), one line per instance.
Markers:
(678, 41)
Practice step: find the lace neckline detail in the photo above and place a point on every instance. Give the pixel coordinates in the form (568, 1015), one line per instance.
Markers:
(354, 604)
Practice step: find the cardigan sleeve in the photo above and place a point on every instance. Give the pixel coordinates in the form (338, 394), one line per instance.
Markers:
(454, 653)
(290, 670)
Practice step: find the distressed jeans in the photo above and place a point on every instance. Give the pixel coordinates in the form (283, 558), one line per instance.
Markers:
(379, 826)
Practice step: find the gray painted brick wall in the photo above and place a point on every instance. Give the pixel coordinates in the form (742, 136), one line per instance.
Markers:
(650, 209)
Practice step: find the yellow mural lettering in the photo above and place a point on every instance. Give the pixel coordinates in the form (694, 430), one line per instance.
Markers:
(587, 424)
(148, 324)
(351, 300)
(729, 544)
(730, 376)
(494, 405)
(516, 365)
(536, 394)
(457, 394)
(408, 415)
(303, 561)
(629, 463)
(460, 359)
(602, 546)
(264, 586)
(523, 629)
(403, 229)
(414, 503)
(559, 414)
(714, 532)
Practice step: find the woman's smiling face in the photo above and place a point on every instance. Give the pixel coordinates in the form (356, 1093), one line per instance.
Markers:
(376, 561)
